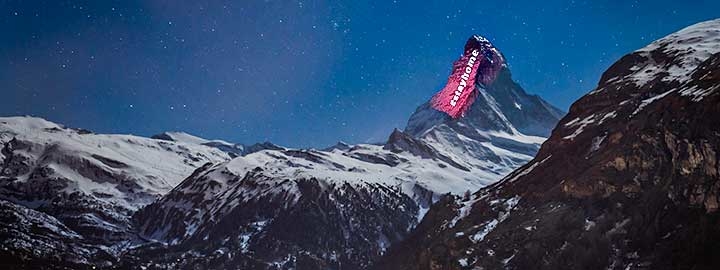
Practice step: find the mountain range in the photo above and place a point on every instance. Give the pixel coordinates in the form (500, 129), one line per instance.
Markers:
(628, 179)
(180, 200)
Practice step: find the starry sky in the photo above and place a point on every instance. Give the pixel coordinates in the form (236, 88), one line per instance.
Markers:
(298, 73)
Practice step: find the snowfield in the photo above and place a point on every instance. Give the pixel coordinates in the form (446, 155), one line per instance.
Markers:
(123, 170)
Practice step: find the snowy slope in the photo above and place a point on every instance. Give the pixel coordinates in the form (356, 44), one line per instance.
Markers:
(90, 182)
(124, 161)
(674, 57)
(233, 149)
(178, 136)
(355, 166)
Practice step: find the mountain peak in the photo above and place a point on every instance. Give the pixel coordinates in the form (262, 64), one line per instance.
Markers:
(502, 129)
(479, 64)
(501, 106)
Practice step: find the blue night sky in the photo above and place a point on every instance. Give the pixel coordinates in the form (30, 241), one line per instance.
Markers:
(298, 73)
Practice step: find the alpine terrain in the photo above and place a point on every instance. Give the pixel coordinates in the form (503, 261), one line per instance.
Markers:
(67, 195)
(72, 198)
(627, 180)
(342, 207)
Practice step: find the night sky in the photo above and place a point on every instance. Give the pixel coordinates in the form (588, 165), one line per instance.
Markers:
(298, 73)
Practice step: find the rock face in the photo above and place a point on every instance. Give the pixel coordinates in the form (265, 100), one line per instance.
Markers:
(627, 180)
(36, 240)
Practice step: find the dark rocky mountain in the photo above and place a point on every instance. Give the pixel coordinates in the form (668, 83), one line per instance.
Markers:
(627, 180)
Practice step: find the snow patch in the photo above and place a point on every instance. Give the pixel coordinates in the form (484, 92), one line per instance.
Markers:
(581, 125)
(463, 262)
(518, 106)
(489, 226)
(596, 142)
(528, 170)
(648, 101)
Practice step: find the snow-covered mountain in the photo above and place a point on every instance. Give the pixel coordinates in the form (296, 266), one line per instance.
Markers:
(501, 131)
(345, 207)
(342, 207)
(629, 179)
(269, 207)
(91, 183)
